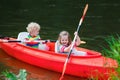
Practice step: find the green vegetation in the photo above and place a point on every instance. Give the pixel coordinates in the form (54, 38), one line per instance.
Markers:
(3, 67)
(112, 50)
(11, 76)
(5, 73)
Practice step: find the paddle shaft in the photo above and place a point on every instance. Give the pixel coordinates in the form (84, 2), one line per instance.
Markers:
(10, 41)
(66, 61)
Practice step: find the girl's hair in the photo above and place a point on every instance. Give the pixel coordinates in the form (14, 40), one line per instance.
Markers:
(33, 26)
(64, 33)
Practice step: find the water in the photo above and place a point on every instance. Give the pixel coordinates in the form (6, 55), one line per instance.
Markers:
(33, 72)
(102, 18)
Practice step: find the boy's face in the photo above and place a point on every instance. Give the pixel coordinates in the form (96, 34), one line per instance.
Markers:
(64, 40)
(34, 33)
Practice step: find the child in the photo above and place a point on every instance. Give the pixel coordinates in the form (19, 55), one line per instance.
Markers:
(33, 30)
(63, 45)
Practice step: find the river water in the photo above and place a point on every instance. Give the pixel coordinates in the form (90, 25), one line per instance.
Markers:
(102, 19)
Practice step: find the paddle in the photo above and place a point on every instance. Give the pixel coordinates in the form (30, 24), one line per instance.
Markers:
(9, 41)
(81, 20)
(4, 40)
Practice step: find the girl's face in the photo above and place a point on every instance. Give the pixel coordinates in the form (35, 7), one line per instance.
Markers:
(64, 40)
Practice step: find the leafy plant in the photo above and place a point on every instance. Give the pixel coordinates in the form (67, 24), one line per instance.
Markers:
(112, 50)
(3, 68)
(113, 47)
(11, 76)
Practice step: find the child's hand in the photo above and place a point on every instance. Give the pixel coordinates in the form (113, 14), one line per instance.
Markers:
(75, 33)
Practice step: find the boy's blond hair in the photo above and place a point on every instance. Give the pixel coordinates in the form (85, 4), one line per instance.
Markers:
(33, 26)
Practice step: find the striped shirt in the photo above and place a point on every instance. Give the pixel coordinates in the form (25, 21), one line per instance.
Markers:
(32, 44)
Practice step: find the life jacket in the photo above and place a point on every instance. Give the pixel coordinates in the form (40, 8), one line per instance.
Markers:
(32, 43)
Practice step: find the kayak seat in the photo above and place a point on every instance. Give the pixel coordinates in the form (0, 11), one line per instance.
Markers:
(51, 46)
(22, 36)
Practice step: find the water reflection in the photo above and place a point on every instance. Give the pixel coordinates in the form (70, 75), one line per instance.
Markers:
(34, 73)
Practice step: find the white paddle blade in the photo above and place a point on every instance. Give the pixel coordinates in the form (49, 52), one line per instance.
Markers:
(84, 12)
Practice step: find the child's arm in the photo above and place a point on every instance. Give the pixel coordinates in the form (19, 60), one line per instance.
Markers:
(67, 49)
(77, 43)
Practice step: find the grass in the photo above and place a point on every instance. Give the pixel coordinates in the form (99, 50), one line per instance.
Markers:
(11, 76)
(112, 50)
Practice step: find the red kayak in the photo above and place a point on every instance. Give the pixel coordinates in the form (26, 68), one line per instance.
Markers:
(93, 65)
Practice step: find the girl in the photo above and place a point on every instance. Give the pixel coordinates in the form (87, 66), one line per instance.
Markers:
(63, 44)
